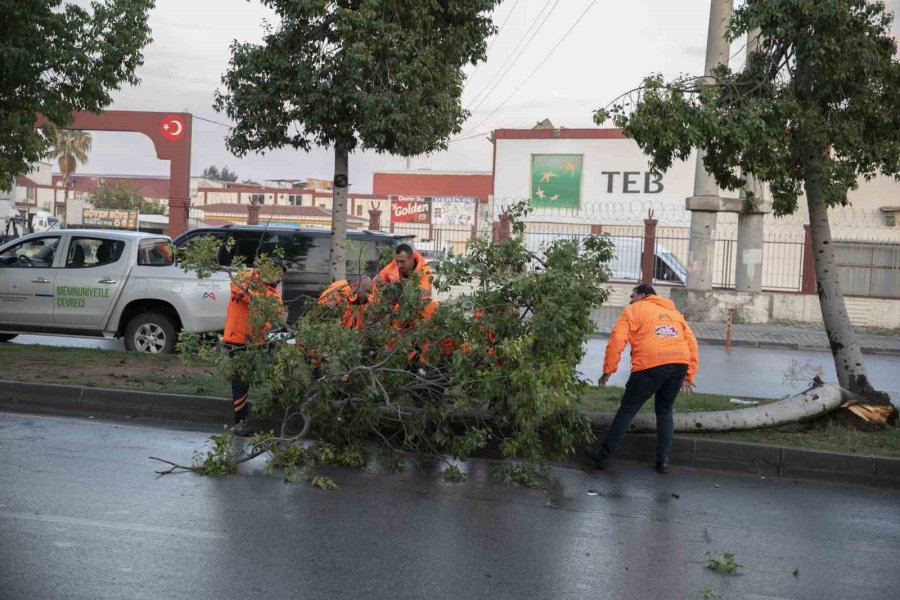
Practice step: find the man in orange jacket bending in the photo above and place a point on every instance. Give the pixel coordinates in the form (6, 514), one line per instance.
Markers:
(238, 334)
(353, 297)
(663, 361)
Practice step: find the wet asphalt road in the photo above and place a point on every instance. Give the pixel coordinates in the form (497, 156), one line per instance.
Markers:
(83, 516)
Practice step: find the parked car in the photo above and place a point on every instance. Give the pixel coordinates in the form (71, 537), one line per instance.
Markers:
(103, 283)
(306, 255)
(626, 262)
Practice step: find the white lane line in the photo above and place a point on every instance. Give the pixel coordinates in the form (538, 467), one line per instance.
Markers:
(130, 527)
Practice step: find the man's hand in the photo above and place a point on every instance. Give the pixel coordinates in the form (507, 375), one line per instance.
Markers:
(687, 388)
(602, 381)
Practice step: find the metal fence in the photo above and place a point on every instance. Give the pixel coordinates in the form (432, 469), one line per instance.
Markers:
(867, 268)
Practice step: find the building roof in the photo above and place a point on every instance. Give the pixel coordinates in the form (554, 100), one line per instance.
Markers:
(24, 181)
(560, 133)
(145, 186)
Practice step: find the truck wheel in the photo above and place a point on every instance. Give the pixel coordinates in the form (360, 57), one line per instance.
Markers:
(151, 332)
(5, 337)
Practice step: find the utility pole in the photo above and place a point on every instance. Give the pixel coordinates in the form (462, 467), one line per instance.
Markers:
(706, 203)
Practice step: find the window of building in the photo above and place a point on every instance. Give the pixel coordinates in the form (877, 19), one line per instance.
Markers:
(257, 198)
(295, 200)
(359, 209)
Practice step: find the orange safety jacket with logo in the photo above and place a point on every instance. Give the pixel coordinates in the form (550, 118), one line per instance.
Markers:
(237, 316)
(658, 335)
(340, 293)
(391, 273)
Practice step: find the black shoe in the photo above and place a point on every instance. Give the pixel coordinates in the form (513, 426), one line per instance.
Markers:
(597, 458)
(243, 429)
(662, 468)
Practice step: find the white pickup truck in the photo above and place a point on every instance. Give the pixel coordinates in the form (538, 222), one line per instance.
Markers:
(103, 283)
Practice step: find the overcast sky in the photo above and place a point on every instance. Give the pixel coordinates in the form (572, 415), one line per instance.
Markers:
(609, 50)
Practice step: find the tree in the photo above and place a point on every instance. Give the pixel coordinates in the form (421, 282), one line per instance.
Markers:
(499, 364)
(212, 172)
(384, 75)
(816, 107)
(123, 197)
(59, 59)
(70, 147)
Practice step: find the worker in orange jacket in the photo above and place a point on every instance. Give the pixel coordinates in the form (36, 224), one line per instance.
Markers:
(354, 297)
(238, 335)
(409, 264)
(664, 360)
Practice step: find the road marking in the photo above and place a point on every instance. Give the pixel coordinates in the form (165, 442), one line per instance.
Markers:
(131, 527)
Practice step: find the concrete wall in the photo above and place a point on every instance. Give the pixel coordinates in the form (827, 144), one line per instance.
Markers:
(863, 312)
(769, 307)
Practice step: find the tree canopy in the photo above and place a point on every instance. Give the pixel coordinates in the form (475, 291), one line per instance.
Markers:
(382, 75)
(58, 58)
(213, 172)
(123, 197)
(815, 108)
(821, 96)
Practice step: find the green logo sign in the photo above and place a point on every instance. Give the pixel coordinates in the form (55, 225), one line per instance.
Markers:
(556, 180)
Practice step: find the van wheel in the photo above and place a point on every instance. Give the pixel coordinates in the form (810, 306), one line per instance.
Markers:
(151, 332)
(5, 337)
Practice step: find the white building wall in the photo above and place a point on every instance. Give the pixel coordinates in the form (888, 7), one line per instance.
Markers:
(604, 165)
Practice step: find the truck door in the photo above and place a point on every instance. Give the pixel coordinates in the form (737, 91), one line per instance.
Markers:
(88, 283)
(26, 281)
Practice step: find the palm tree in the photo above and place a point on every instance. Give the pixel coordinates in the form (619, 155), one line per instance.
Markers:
(71, 147)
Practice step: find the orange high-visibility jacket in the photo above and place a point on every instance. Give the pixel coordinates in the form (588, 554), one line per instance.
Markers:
(237, 316)
(391, 273)
(658, 335)
(340, 293)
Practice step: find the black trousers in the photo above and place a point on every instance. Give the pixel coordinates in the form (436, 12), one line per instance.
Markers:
(664, 381)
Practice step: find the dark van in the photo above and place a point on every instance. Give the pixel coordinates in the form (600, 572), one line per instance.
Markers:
(306, 253)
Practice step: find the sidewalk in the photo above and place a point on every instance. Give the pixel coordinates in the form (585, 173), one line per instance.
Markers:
(793, 336)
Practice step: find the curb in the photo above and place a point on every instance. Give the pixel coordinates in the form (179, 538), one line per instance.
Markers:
(687, 451)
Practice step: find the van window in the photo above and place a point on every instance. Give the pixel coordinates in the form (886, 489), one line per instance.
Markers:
(363, 257)
(306, 253)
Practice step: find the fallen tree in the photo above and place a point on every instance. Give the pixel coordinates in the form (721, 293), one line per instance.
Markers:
(505, 354)
(811, 404)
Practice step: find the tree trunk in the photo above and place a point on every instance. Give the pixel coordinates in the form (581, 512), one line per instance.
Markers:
(805, 406)
(848, 358)
(338, 264)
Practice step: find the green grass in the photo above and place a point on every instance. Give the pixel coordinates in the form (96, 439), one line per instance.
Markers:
(827, 435)
(109, 369)
(606, 399)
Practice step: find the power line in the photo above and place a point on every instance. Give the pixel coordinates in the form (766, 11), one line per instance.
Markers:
(213, 122)
(500, 79)
(537, 68)
(469, 137)
(491, 45)
(516, 48)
